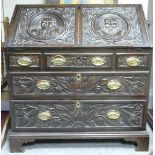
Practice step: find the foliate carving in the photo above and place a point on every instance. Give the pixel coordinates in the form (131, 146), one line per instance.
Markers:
(122, 60)
(76, 61)
(13, 60)
(86, 116)
(87, 85)
(115, 25)
(45, 26)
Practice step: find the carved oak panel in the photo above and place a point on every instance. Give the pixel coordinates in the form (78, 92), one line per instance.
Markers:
(111, 26)
(88, 115)
(35, 60)
(80, 61)
(45, 26)
(79, 84)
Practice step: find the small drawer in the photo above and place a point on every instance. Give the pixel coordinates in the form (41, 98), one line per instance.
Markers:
(24, 61)
(133, 61)
(74, 61)
(77, 115)
(81, 85)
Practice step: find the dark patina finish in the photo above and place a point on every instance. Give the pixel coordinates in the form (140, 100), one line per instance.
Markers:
(74, 69)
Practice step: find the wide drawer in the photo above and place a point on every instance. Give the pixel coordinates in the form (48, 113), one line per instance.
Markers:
(77, 115)
(77, 85)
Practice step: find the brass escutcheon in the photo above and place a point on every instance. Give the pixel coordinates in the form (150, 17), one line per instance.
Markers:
(58, 60)
(24, 61)
(43, 84)
(113, 114)
(78, 104)
(98, 61)
(133, 61)
(78, 77)
(44, 116)
(114, 84)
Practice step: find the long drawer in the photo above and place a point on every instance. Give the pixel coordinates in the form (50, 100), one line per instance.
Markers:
(78, 115)
(81, 85)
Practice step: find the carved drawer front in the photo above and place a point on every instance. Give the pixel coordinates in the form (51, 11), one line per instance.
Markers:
(54, 61)
(133, 60)
(80, 85)
(24, 61)
(73, 115)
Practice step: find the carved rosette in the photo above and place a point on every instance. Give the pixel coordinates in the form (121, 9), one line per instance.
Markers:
(87, 85)
(87, 116)
(117, 25)
(122, 60)
(80, 61)
(45, 26)
(13, 60)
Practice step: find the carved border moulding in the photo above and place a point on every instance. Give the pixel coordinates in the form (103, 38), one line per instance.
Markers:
(86, 116)
(114, 26)
(87, 85)
(45, 26)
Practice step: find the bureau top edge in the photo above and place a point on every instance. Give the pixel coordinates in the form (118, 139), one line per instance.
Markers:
(59, 26)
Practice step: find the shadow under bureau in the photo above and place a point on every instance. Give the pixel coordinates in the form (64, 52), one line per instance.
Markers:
(78, 72)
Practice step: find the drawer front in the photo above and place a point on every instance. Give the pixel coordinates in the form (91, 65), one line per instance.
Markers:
(80, 85)
(24, 61)
(77, 115)
(74, 61)
(133, 61)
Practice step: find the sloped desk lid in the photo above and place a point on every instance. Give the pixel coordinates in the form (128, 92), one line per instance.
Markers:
(78, 26)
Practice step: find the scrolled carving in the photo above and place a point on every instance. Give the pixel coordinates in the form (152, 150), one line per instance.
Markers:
(86, 116)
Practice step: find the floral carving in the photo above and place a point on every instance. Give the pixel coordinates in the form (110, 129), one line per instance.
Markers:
(87, 116)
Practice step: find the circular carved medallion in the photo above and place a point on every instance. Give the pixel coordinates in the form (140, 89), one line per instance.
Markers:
(110, 26)
(46, 26)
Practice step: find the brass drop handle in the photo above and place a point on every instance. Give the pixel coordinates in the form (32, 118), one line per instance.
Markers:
(44, 116)
(133, 61)
(58, 60)
(43, 84)
(113, 114)
(98, 61)
(114, 84)
(24, 61)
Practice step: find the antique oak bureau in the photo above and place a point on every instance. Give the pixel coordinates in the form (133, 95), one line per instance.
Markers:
(78, 72)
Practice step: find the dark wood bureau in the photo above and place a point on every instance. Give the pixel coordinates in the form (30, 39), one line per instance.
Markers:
(78, 72)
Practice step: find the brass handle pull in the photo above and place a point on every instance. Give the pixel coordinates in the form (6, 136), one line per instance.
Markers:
(98, 61)
(44, 116)
(24, 61)
(114, 84)
(78, 104)
(133, 61)
(43, 84)
(58, 60)
(113, 114)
